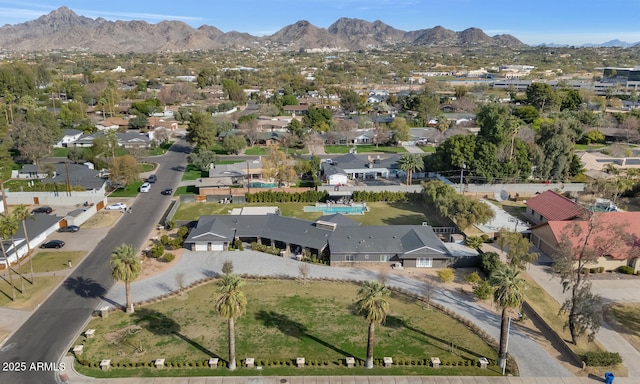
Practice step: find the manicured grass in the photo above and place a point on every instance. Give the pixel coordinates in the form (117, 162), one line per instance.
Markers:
(131, 190)
(147, 167)
(338, 149)
(186, 190)
(47, 261)
(217, 148)
(285, 320)
(428, 148)
(628, 315)
(587, 147)
(228, 162)
(161, 150)
(256, 151)
(193, 173)
(380, 213)
(32, 296)
(60, 152)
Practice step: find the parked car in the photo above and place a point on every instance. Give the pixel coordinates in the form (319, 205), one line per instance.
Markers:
(152, 178)
(146, 187)
(116, 206)
(167, 192)
(52, 244)
(43, 209)
(69, 228)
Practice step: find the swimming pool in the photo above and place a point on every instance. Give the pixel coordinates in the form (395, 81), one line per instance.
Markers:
(355, 209)
(260, 184)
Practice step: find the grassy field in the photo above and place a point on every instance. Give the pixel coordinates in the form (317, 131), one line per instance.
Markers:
(256, 151)
(339, 149)
(32, 296)
(48, 261)
(380, 213)
(193, 173)
(131, 190)
(285, 320)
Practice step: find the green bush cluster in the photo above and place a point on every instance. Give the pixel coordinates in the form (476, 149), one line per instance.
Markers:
(168, 257)
(489, 262)
(627, 270)
(264, 248)
(446, 275)
(482, 289)
(285, 197)
(592, 270)
(602, 358)
(368, 196)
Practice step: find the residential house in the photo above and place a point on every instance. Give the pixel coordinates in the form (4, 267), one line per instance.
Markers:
(344, 241)
(113, 123)
(597, 165)
(549, 236)
(68, 136)
(552, 206)
(296, 110)
(75, 174)
(159, 122)
(86, 140)
(39, 226)
(361, 166)
(134, 140)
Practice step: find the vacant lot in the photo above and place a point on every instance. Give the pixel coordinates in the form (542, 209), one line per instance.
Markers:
(284, 320)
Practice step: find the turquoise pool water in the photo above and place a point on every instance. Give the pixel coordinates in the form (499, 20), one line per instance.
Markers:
(259, 184)
(345, 209)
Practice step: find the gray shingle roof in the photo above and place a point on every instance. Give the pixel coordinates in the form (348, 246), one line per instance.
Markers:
(339, 219)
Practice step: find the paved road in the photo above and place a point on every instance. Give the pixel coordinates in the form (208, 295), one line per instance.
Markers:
(48, 333)
(532, 359)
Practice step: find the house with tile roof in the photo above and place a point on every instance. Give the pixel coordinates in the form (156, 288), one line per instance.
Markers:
(343, 240)
(614, 252)
(552, 206)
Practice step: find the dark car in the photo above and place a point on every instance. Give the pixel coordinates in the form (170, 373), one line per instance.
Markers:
(69, 228)
(168, 191)
(53, 244)
(44, 209)
(152, 179)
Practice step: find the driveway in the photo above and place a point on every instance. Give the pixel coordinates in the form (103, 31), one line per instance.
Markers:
(532, 359)
(413, 149)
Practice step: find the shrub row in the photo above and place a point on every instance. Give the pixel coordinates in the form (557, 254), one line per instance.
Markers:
(367, 196)
(149, 364)
(602, 358)
(265, 248)
(627, 270)
(285, 197)
(593, 270)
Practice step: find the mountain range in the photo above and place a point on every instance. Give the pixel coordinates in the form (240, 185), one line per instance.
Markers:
(63, 29)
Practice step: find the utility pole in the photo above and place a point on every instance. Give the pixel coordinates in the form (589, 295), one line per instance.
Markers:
(506, 346)
(461, 176)
(4, 199)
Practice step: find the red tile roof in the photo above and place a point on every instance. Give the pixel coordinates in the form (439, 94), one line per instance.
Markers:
(603, 237)
(554, 207)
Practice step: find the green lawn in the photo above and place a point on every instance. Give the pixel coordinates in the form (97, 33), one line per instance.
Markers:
(161, 150)
(339, 149)
(186, 190)
(587, 147)
(147, 167)
(60, 152)
(193, 173)
(217, 148)
(284, 320)
(427, 148)
(380, 213)
(130, 190)
(48, 261)
(257, 151)
(219, 162)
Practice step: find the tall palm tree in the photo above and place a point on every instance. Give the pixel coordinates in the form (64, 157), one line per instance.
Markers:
(126, 267)
(21, 212)
(231, 304)
(508, 294)
(410, 163)
(5, 230)
(375, 307)
(10, 225)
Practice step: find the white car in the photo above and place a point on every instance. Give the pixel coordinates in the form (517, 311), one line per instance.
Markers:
(116, 206)
(146, 187)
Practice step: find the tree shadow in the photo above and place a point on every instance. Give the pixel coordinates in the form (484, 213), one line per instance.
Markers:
(87, 288)
(398, 323)
(159, 324)
(3, 292)
(284, 324)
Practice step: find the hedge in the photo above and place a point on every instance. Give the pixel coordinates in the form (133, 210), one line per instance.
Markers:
(285, 197)
(602, 358)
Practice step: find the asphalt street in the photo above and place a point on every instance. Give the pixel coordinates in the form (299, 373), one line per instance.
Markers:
(46, 336)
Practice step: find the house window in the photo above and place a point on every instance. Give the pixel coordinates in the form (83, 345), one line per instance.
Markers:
(385, 257)
(424, 262)
(348, 258)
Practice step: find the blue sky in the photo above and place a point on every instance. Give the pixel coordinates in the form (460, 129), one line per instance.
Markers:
(533, 21)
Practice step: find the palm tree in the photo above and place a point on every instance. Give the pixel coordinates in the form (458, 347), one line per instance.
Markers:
(5, 230)
(231, 304)
(410, 163)
(125, 266)
(375, 307)
(10, 225)
(508, 294)
(474, 242)
(22, 213)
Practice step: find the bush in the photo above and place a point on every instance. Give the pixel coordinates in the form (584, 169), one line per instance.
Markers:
(473, 278)
(183, 232)
(602, 358)
(489, 262)
(237, 244)
(171, 224)
(446, 275)
(168, 257)
(627, 270)
(482, 290)
(157, 250)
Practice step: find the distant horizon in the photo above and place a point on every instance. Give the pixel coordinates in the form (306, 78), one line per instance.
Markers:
(570, 22)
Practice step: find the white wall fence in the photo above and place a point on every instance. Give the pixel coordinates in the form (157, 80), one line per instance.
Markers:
(55, 198)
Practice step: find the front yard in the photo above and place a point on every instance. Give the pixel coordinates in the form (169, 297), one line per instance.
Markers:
(362, 148)
(284, 320)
